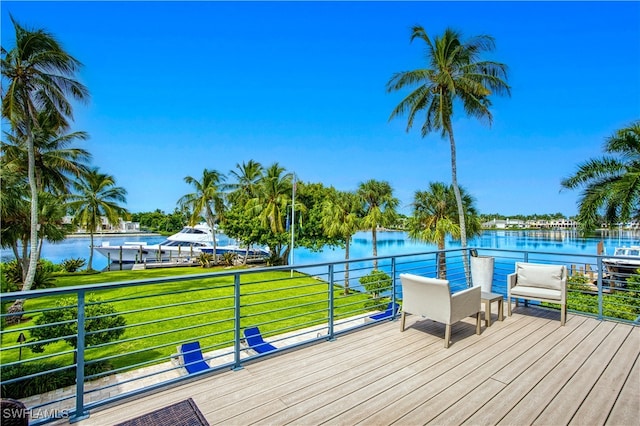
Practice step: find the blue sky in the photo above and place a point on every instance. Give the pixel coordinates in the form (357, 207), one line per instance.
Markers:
(177, 87)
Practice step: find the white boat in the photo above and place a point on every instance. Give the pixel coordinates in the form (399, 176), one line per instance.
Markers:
(184, 246)
(626, 264)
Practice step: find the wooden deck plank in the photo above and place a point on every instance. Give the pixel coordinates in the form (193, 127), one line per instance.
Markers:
(460, 386)
(465, 405)
(558, 373)
(398, 404)
(299, 385)
(626, 411)
(321, 394)
(516, 366)
(604, 394)
(547, 354)
(560, 410)
(377, 375)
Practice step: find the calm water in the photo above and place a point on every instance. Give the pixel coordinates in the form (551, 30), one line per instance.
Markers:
(389, 243)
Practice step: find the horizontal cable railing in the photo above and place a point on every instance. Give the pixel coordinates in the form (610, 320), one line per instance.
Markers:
(77, 348)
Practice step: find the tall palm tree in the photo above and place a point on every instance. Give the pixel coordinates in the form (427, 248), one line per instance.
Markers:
(96, 195)
(453, 71)
(341, 217)
(611, 183)
(274, 193)
(435, 215)
(40, 77)
(247, 177)
(207, 200)
(269, 205)
(57, 161)
(379, 209)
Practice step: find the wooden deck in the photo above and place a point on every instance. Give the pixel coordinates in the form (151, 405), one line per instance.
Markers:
(524, 370)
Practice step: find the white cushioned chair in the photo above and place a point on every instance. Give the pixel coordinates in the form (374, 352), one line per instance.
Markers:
(432, 298)
(535, 281)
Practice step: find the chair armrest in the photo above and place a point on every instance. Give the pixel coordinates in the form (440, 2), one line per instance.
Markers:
(512, 280)
(465, 302)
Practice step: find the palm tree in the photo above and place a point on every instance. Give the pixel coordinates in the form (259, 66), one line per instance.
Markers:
(435, 215)
(453, 71)
(379, 209)
(57, 161)
(341, 217)
(274, 193)
(207, 200)
(247, 177)
(269, 205)
(39, 76)
(611, 183)
(96, 195)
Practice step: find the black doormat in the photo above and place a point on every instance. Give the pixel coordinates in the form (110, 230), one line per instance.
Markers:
(184, 413)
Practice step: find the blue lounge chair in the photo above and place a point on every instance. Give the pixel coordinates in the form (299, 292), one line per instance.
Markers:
(392, 308)
(256, 342)
(192, 357)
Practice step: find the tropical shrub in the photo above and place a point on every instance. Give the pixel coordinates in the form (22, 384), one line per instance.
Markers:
(228, 258)
(376, 283)
(102, 323)
(623, 303)
(205, 259)
(579, 282)
(45, 382)
(12, 274)
(72, 265)
(613, 305)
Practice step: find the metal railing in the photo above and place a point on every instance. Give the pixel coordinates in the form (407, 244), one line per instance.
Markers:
(100, 343)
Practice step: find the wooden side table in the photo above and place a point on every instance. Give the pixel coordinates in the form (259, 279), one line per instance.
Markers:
(487, 299)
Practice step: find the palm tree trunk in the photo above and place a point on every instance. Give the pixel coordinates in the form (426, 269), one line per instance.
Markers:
(442, 260)
(90, 265)
(33, 244)
(456, 190)
(374, 240)
(18, 306)
(211, 222)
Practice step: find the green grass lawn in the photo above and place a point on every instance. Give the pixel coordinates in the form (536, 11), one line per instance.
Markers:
(201, 309)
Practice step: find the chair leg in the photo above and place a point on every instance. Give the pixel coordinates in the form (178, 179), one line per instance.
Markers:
(509, 306)
(447, 335)
(478, 320)
(402, 317)
(563, 314)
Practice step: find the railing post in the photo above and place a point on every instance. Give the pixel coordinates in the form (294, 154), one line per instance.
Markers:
(80, 413)
(393, 286)
(600, 298)
(331, 299)
(236, 318)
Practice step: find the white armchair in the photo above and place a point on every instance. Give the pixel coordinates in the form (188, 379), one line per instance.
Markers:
(432, 298)
(541, 282)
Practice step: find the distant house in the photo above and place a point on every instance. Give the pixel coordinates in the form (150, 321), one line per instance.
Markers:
(504, 224)
(553, 224)
(123, 226)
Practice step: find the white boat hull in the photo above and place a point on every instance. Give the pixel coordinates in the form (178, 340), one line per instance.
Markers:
(184, 246)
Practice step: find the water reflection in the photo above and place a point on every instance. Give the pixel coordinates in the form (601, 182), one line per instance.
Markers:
(389, 243)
